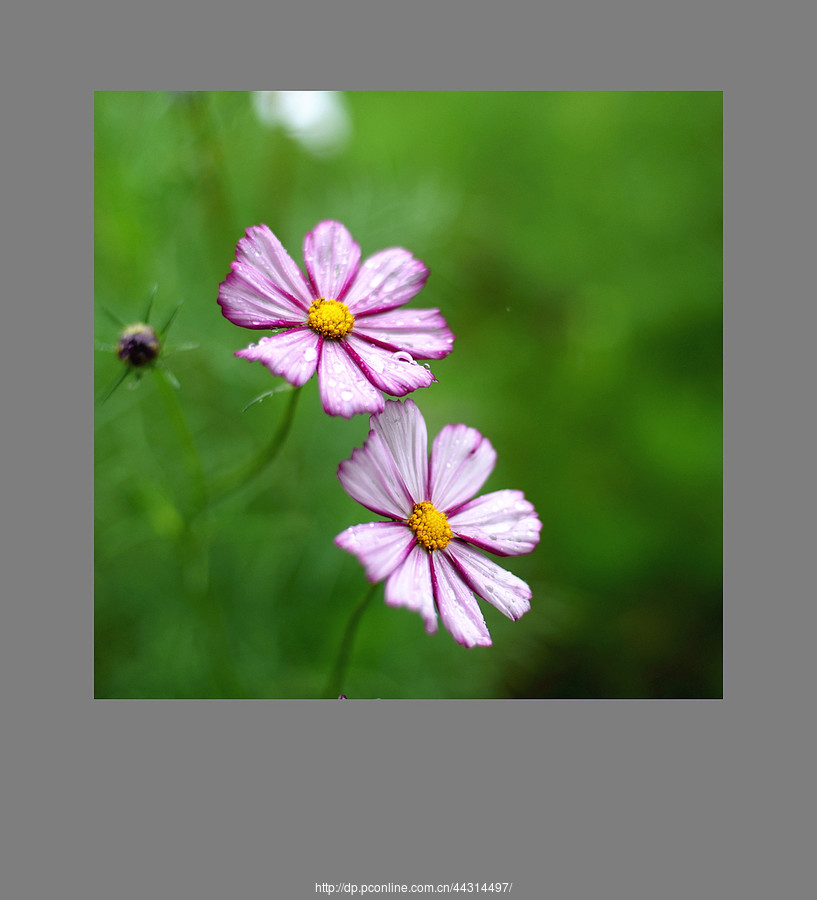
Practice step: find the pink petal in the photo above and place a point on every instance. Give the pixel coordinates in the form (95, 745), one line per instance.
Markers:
(456, 604)
(461, 460)
(379, 546)
(261, 250)
(509, 594)
(291, 354)
(502, 522)
(370, 476)
(409, 585)
(421, 332)
(402, 429)
(345, 390)
(387, 279)
(395, 374)
(331, 257)
(247, 298)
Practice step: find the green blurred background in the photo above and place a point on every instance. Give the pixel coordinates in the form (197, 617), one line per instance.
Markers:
(574, 242)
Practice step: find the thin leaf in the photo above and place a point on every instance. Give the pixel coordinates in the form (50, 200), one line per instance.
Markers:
(153, 291)
(114, 318)
(278, 390)
(178, 348)
(171, 378)
(118, 381)
(163, 331)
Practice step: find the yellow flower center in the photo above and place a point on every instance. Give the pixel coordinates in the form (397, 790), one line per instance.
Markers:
(430, 526)
(331, 318)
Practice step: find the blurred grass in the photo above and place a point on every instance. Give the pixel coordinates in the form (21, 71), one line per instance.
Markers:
(575, 247)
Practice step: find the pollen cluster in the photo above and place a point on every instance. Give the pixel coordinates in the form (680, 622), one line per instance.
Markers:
(331, 318)
(430, 526)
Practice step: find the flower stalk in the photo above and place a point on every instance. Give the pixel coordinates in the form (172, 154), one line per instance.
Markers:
(241, 476)
(335, 682)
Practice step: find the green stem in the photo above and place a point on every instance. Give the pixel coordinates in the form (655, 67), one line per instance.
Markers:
(210, 175)
(193, 550)
(244, 474)
(193, 460)
(335, 683)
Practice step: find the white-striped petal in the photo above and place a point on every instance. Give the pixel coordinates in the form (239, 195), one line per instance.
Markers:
(345, 390)
(247, 298)
(456, 604)
(291, 354)
(386, 279)
(402, 429)
(379, 546)
(502, 522)
(461, 460)
(371, 477)
(331, 256)
(421, 332)
(501, 588)
(409, 585)
(395, 373)
(262, 250)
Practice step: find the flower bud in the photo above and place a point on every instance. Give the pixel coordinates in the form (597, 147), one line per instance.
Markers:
(138, 345)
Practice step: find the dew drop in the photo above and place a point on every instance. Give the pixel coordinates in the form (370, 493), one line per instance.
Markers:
(403, 356)
(346, 396)
(310, 353)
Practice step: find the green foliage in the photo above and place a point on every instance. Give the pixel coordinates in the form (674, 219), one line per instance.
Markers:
(575, 247)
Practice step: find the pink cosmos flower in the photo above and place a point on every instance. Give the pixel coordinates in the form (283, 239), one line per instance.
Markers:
(429, 551)
(343, 320)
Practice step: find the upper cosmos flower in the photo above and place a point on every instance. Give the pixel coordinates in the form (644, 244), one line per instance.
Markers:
(343, 320)
(429, 553)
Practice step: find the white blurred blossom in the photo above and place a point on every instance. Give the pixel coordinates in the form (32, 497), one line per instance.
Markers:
(318, 120)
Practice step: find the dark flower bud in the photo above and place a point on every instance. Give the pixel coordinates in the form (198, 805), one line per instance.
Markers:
(138, 345)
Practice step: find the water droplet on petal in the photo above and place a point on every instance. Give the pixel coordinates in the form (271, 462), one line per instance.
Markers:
(403, 356)
(310, 353)
(346, 396)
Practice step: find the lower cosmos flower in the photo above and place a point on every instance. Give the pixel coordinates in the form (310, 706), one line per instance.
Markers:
(342, 321)
(429, 551)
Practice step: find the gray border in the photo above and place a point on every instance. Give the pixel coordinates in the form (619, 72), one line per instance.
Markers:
(266, 798)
